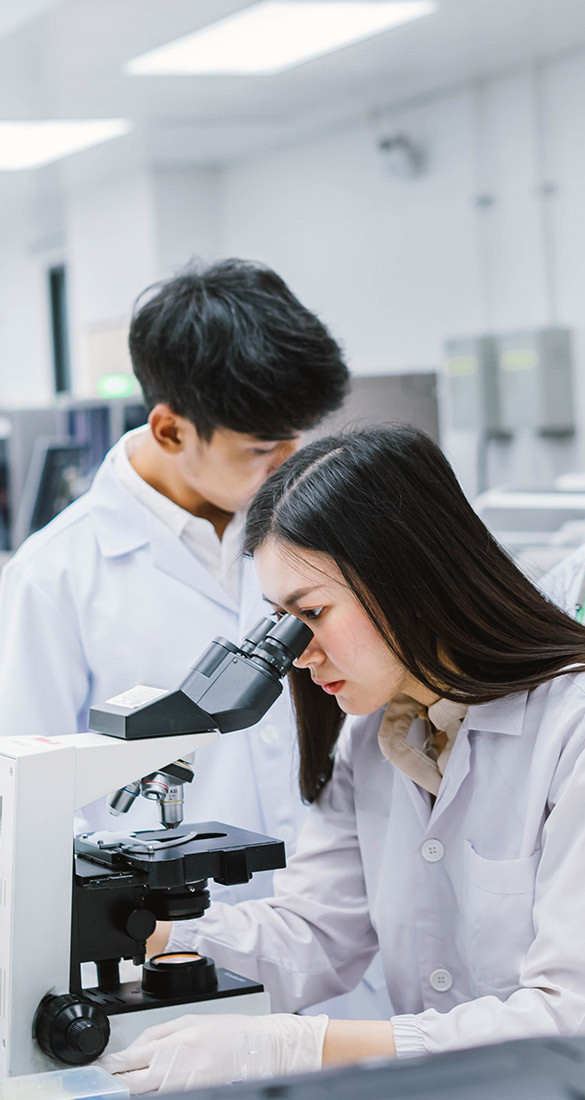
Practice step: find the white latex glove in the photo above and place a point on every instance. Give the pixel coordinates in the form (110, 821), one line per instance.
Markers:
(203, 1050)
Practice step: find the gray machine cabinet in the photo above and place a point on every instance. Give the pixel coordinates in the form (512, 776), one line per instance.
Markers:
(472, 384)
(536, 380)
(407, 398)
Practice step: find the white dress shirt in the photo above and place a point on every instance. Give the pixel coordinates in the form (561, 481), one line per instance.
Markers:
(221, 557)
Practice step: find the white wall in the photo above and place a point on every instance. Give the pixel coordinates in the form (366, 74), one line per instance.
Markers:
(393, 265)
(25, 347)
(111, 258)
(390, 264)
(188, 214)
(396, 266)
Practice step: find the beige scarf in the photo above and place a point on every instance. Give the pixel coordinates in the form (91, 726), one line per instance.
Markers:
(425, 766)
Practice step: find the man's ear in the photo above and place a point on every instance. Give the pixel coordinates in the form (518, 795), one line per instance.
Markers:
(167, 428)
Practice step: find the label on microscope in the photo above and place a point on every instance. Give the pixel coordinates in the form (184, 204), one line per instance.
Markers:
(137, 696)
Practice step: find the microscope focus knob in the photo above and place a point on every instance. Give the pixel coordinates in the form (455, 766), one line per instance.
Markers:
(140, 924)
(71, 1029)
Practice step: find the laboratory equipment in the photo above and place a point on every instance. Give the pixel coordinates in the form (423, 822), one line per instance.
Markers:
(28, 440)
(83, 1083)
(52, 921)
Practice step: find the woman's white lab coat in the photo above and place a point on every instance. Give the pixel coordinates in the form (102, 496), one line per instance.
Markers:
(477, 905)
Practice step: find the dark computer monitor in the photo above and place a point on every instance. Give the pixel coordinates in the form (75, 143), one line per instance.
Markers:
(57, 475)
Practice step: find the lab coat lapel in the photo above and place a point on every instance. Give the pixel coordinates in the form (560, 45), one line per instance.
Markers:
(109, 500)
(455, 772)
(170, 555)
(502, 716)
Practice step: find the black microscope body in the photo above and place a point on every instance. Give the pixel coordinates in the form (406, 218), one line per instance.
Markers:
(123, 882)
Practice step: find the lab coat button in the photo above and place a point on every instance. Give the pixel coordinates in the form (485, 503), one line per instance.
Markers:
(268, 734)
(441, 980)
(432, 850)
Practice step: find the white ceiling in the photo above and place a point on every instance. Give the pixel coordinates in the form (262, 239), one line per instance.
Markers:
(64, 58)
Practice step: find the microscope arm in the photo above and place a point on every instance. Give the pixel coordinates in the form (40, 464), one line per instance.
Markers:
(103, 763)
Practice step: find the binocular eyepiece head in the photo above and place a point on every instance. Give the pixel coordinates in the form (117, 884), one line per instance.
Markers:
(277, 643)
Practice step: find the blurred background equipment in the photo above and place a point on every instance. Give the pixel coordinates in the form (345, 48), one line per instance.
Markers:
(409, 397)
(49, 455)
(510, 398)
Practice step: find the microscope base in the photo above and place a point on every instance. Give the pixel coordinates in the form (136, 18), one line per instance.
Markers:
(130, 1010)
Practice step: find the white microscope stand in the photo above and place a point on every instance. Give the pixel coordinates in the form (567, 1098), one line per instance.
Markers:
(43, 783)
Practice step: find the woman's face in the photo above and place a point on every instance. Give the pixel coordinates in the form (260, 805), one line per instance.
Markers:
(347, 657)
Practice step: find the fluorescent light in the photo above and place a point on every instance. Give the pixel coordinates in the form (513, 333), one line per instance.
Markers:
(31, 144)
(275, 35)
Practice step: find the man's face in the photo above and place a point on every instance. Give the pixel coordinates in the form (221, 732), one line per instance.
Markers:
(229, 469)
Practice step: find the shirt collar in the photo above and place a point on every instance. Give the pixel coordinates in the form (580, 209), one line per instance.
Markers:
(117, 538)
(171, 514)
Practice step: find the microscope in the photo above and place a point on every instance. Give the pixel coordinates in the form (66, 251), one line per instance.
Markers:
(58, 912)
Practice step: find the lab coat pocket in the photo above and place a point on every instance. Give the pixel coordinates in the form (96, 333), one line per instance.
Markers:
(497, 918)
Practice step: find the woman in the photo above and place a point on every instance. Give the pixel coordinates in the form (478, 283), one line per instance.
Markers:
(448, 826)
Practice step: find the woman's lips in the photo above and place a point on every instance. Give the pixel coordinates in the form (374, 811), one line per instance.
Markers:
(332, 687)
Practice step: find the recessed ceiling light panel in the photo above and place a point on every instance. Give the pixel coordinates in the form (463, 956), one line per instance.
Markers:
(275, 35)
(33, 143)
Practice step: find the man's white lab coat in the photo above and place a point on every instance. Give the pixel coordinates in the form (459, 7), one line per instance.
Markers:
(477, 905)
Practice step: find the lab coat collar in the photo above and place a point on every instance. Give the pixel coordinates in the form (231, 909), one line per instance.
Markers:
(108, 500)
(501, 716)
(504, 716)
(170, 555)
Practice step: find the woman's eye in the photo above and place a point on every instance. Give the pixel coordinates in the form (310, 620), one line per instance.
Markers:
(312, 613)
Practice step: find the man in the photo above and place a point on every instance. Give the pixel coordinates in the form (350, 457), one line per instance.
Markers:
(130, 583)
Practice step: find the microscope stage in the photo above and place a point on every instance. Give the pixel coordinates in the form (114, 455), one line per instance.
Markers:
(169, 858)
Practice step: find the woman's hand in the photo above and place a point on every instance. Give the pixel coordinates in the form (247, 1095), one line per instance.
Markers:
(202, 1050)
(157, 943)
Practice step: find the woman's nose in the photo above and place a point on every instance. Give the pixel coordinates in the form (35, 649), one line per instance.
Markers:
(309, 655)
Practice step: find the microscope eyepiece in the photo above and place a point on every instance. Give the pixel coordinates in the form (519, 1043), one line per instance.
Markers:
(256, 635)
(284, 642)
(292, 633)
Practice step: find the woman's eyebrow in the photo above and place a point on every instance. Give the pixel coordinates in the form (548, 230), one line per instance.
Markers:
(294, 597)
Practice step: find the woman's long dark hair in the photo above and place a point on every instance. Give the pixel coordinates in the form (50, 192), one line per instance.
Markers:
(463, 620)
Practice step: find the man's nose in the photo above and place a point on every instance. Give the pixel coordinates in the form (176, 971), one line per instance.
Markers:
(285, 449)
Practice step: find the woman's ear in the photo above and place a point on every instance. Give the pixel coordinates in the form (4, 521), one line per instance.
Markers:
(166, 428)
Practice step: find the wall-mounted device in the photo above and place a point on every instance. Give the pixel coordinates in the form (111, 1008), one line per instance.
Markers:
(472, 384)
(535, 370)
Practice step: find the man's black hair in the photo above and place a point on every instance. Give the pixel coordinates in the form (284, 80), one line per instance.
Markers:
(229, 346)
